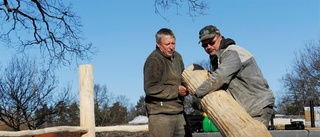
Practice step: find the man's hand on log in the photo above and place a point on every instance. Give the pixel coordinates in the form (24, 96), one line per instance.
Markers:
(183, 91)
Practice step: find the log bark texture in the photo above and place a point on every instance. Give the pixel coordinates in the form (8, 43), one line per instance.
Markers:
(227, 114)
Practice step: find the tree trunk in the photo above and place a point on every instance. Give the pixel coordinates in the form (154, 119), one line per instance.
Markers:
(227, 114)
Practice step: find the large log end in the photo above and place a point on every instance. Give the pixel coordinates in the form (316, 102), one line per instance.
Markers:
(193, 76)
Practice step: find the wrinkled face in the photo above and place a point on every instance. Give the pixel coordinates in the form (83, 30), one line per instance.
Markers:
(211, 46)
(167, 45)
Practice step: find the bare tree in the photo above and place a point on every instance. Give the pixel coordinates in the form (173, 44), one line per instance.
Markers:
(106, 106)
(102, 102)
(302, 82)
(27, 95)
(52, 27)
(67, 110)
(49, 25)
(195, 7)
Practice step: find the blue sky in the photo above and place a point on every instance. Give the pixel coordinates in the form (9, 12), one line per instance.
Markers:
(123, 31)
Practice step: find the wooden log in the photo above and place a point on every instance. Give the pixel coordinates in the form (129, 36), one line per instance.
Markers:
(86, 99)
(193, 76)
(58, 129)
(126, 128)
(228, 115)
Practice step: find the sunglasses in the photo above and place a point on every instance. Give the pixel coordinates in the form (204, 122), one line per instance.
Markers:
(210, 43)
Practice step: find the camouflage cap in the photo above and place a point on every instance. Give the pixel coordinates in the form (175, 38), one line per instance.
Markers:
(208, 32)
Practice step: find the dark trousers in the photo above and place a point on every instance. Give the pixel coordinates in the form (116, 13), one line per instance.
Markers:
(265, 118)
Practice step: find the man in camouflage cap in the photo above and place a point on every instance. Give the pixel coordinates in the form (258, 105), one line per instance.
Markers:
(235, 70)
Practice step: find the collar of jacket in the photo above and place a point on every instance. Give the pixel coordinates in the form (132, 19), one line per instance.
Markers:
(226, 42)
(164, 55)
(223, 45)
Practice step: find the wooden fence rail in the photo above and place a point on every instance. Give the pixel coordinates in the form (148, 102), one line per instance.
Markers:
(73, 129)
(81, 130)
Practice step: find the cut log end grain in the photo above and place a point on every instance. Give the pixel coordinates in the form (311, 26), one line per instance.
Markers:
(193, 76)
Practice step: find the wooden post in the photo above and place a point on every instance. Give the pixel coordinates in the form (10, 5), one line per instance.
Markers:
(227, 114)
(87, 118)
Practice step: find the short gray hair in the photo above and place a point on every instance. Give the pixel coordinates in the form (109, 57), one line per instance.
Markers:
(164, 32)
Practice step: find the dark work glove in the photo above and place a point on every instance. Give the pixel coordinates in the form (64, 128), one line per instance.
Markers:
(196, 103)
